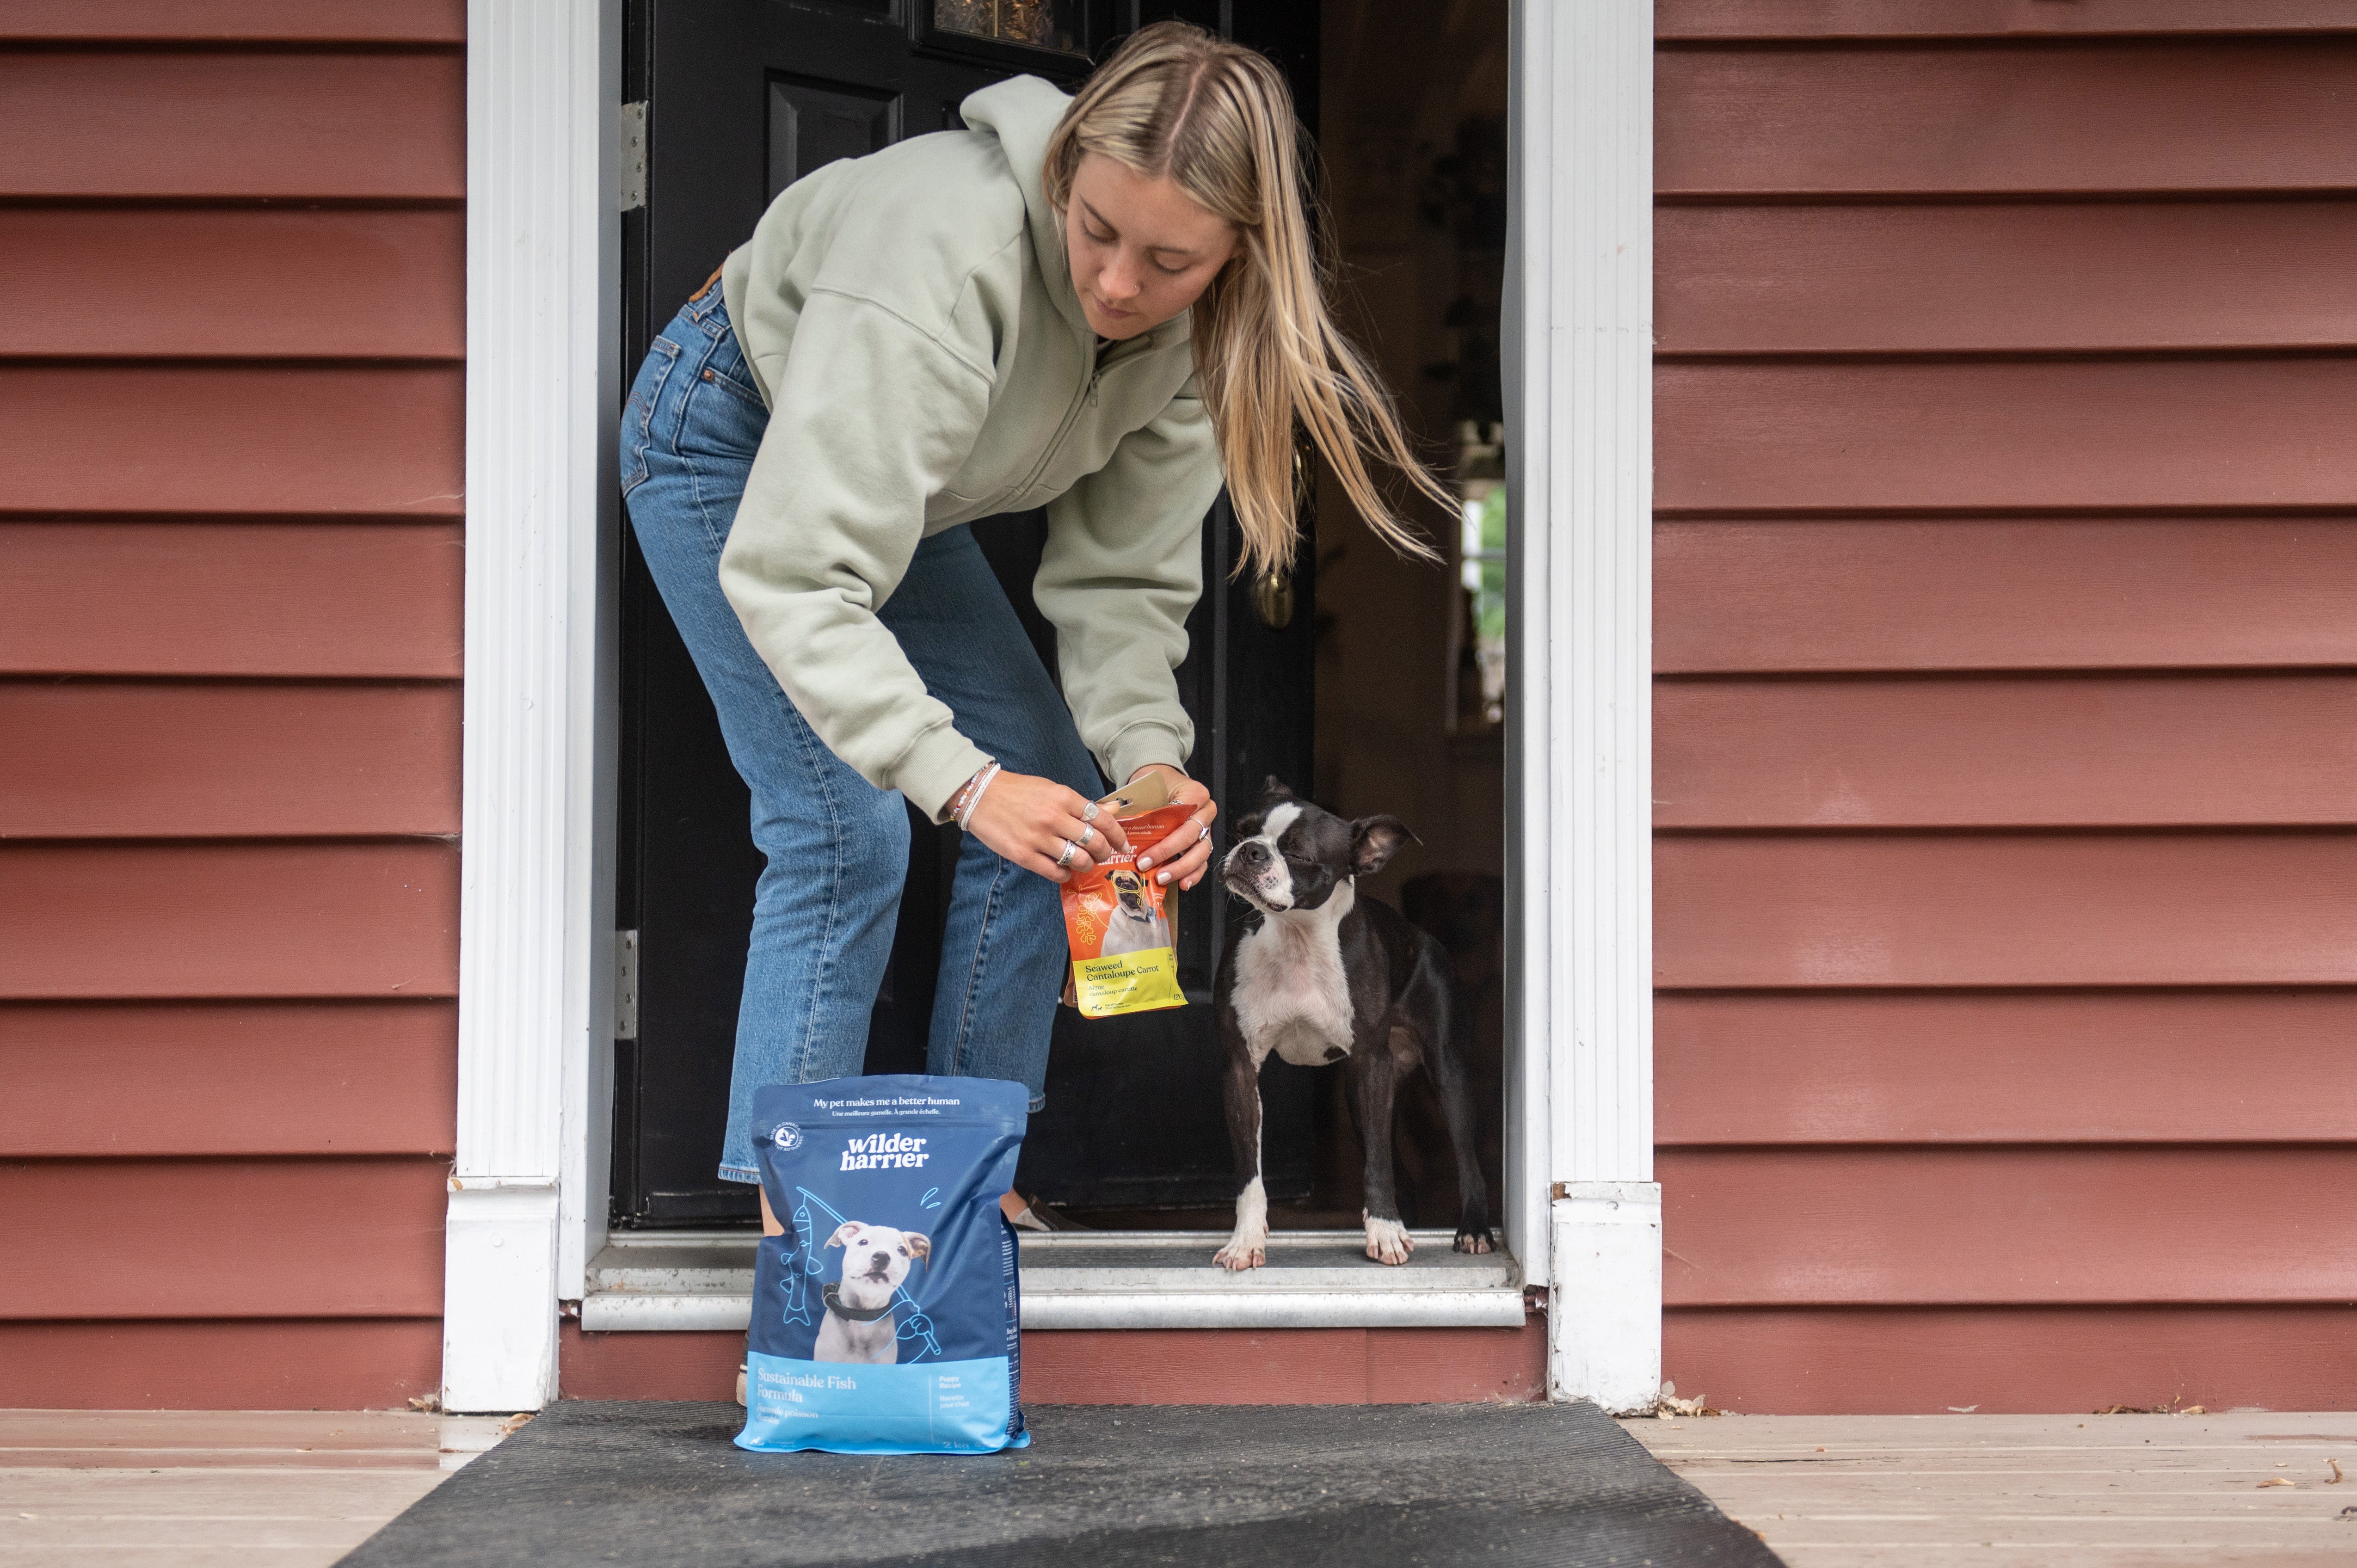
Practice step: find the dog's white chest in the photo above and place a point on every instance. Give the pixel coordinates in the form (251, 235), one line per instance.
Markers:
(1291, 996)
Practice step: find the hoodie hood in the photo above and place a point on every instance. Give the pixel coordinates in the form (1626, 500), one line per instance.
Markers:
(1022, 112)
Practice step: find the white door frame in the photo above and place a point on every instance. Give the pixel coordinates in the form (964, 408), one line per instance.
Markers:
(528, 1191)
(536, 879)
(1579, 361)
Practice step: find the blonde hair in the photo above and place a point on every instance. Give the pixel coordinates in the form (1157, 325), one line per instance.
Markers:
(1216, 119)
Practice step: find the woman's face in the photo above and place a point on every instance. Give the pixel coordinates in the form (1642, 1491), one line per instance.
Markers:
(1141, 250)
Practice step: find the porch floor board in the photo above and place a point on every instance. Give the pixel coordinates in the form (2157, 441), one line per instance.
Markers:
(217, 1488)
(2098, 1491)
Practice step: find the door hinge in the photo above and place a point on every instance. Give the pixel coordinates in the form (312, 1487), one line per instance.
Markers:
(626, 986)
(634, 156)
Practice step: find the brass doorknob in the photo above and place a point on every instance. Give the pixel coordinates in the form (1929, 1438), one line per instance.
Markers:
(1273, 600)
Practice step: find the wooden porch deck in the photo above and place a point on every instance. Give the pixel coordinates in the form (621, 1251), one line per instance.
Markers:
(216, 1488)
(2094, 1491)
(295, 1489)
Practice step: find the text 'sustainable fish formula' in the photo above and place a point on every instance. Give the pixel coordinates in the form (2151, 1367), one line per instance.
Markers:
(886, 1319)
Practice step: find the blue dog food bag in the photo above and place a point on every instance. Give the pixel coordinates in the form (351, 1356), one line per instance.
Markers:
(885, 1318)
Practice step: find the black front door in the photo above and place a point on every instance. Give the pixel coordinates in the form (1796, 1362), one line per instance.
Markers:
(744, 97)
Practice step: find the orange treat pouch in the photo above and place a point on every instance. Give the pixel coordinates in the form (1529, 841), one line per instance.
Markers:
(1122, 923)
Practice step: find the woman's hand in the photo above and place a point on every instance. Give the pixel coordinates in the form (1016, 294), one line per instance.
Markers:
(1186, 851)
(1029, 819)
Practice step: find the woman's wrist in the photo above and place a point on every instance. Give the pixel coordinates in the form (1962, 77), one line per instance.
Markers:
(969, 794)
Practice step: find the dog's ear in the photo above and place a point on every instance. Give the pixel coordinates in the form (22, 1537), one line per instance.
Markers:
(918, 1246)
(1374, 841)
(1273, 790)
(841, 1231)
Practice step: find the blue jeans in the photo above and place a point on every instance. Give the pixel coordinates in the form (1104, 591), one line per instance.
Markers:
(827, 902)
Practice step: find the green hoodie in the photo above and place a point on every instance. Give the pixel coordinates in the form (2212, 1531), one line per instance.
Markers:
(910, 320)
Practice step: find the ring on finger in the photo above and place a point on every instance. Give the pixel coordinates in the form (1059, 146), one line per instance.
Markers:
(1065, 859)
(1089, 813)
(1087, 832)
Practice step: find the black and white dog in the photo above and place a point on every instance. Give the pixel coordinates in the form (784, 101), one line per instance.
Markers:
(1318, 974)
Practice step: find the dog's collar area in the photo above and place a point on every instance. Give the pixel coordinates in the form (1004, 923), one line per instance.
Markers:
(853, 1313)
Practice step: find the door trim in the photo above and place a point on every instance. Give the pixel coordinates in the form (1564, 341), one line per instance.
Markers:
(1582, 1208)
(528, 1191)
(536, 881)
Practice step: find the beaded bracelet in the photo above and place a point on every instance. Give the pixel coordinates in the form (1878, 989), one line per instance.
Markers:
(963, 814)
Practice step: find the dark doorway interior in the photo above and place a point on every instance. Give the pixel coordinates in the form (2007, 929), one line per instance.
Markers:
(1412, 106)
(744, 97)
(1377, 692)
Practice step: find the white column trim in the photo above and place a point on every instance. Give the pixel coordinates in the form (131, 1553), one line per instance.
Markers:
(1579, 390)
(528, 1189)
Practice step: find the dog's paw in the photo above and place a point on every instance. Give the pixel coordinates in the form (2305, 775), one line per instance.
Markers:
(1476, 1242)
(1388, 1241)
(1243, 1251)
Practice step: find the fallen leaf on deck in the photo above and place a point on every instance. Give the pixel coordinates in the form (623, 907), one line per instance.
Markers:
(2277, 1481)
(2337, 1477)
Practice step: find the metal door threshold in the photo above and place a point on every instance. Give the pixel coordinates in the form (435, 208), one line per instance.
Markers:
(682, 1279)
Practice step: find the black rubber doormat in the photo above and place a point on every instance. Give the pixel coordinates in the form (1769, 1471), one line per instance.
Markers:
(653, 1485)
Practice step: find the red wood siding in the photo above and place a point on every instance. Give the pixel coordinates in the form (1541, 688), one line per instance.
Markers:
(119, 596)
(2005, 747)
(231, 327)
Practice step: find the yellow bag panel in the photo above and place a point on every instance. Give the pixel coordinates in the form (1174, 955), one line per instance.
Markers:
(1128, 982)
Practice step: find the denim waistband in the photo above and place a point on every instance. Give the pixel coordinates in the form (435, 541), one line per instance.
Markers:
(709, 300)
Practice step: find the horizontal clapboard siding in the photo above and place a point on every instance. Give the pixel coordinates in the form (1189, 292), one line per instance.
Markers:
(2041, 277)
(2212, 115)
(2005, 609)
(178, 920)
(1915, 909)
(162, 1239)
(235, 21)
(99, 759)
(316, 1363)
(2183, 434)
(1787, 21)
(121, 597)
(1871, 1360)
(375, 440)
(229, 1078)
(209, 125)
(2107, 751)
(1880, 594)
(140, 283)
(2005, 1067)
(232, 331)
(2026, 1226)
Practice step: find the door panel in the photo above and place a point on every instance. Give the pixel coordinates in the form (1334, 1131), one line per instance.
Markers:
(744, 98)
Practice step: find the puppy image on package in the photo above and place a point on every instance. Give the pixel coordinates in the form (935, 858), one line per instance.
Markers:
(1135, 926)
(859, 1326)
